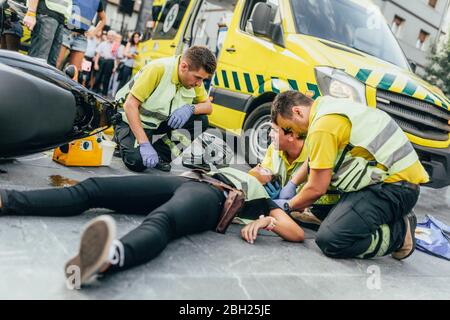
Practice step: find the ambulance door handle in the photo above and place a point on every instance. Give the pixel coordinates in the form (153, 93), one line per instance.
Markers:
(231, 49)
(173, 45)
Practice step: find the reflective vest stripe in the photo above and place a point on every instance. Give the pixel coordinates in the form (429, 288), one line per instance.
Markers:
(400, 154)
(148, 113)
(81, 19)
(374, 131)
(63, 7)
(383, 137)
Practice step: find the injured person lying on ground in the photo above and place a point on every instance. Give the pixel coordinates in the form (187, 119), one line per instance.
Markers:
(174, 206)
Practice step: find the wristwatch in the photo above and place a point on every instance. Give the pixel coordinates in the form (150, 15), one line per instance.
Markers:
(286, 207)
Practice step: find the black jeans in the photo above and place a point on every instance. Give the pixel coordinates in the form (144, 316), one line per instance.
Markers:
(103, 76)
(125, 75)
(353, 224)
(174, 206)
(130, 152)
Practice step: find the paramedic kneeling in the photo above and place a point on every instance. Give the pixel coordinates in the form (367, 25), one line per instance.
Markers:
(166, 94)
(362, 152)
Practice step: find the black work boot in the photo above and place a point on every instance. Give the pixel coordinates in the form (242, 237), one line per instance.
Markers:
(163, 166)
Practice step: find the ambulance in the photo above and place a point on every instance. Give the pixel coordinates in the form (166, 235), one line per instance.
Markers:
(342, 48)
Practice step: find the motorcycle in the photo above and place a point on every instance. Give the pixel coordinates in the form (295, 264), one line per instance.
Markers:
(41, 107)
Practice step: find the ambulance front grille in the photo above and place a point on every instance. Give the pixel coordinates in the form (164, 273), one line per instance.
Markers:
(420, 118)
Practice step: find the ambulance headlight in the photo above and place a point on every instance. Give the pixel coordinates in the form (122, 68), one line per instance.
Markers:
(338, 84)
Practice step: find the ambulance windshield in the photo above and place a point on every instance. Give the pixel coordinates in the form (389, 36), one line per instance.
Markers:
(349, 23)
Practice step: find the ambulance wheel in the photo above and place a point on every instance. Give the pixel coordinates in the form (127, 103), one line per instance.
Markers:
(256, 139)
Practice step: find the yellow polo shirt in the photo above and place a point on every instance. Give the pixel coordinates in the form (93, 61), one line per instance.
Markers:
(150, 78)
(331, 134)
(268, 163)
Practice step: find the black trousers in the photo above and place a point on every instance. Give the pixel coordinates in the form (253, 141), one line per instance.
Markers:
(174, 206)
(356, 221)
(125, 76)
(103, 76)
(130, 152)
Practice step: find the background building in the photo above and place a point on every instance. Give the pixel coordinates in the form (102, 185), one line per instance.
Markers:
(418, 25)
(119, 21)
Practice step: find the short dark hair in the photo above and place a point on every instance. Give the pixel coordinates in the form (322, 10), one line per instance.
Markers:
(201, 58)
(283, 103)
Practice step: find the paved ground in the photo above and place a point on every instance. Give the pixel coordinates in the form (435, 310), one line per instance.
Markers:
(206, 266)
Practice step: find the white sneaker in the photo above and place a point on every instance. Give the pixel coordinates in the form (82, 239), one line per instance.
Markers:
(98, 250)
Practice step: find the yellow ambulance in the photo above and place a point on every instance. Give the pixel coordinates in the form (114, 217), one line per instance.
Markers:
(342, 48)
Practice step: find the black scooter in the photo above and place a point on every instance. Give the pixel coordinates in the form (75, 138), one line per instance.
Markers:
(42, 108)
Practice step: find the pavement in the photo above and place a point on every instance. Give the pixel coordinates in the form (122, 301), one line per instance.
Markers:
(33, 251)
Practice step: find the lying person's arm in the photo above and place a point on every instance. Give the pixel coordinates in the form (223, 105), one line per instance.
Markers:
(279, 222)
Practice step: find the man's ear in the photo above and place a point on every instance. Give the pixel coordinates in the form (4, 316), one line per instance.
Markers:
(184, 66)
(297, 110)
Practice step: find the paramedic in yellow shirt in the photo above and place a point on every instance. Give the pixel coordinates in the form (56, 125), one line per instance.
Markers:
(374, 216)
(167, 97)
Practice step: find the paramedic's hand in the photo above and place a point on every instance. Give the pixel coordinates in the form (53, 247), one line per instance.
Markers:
(180, 116)
(289, 191)
(273, 189)
(250, 231)
(149, 155)
(29, 21)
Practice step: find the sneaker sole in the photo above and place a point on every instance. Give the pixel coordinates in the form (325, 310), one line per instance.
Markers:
(95, 243)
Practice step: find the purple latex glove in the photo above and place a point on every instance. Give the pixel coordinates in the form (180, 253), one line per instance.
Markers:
(149, 155)
(280, 203)
(180, 116)
(289, 191)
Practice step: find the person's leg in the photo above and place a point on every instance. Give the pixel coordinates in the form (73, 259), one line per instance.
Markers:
(12, 42)
(195, 207)
(42, 37)
(3, 41)
(66, 43)
(132, 194)
(129, 152)
(61, 57)
(367, 223)
(77, 50)
(56, 45)
(99, 75)
(86, 74)
(109, 66)
(126, 75)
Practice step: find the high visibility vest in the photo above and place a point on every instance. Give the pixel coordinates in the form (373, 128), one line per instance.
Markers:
(63, 7)
(164, 100)
(83, 12)
(279, 167)
(375, 131)
(252, 188)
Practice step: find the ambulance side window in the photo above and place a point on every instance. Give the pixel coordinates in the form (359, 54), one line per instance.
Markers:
(248, 10)
(171, 18)
(211, 25)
